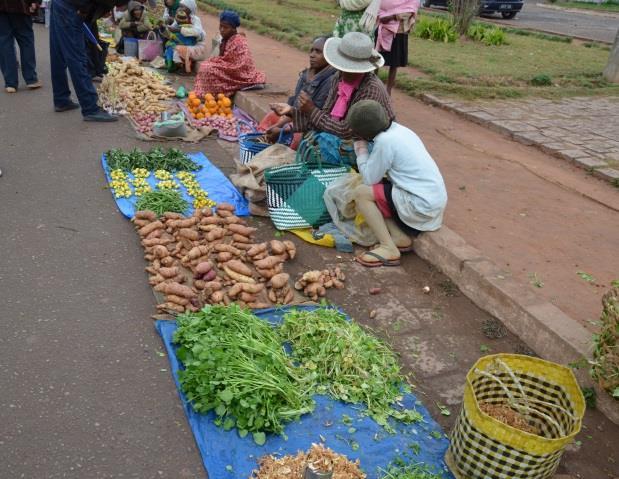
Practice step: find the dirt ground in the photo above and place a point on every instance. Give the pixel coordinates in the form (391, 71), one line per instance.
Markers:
(534, 215)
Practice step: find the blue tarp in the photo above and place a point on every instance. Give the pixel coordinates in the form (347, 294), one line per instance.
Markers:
(211, 179)
(226, 455)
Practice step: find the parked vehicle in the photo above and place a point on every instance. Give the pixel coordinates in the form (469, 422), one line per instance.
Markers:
(507, 8)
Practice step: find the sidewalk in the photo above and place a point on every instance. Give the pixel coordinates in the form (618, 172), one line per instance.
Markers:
(534, 215)
(583, 131)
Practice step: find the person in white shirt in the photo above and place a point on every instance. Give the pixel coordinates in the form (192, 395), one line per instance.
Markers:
(403, 192)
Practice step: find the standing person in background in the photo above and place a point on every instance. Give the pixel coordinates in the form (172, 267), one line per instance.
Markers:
(351, 18)
(16, 25)
(395, 20)
(66, 45)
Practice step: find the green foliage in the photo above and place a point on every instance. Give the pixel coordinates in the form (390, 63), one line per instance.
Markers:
(590, 397)
(605, 365)
(405, 467)
(162, 201)
(340, 359)
(491, 36)
(156, 159)
(235, 365)
(435, 29)
(541, 80)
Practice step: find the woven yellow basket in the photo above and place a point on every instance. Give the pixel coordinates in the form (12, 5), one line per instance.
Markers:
(545, 393)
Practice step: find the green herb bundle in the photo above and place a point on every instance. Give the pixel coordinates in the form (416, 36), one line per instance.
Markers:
(236, 366)
(156, 159)
(340, 359)
(162, 201)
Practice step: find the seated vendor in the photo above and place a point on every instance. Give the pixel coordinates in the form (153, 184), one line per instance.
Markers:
(355, 59)
(234, 68)
(315, 81)
(135, 24)
(403, 192)
(180, 33)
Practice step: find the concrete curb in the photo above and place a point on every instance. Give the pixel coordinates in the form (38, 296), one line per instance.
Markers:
(584, 11)
(542, 326)
(597, 168)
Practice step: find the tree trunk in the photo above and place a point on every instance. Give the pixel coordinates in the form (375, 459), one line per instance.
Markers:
(611, 72)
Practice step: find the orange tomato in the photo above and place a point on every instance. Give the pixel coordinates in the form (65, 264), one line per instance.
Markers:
(199, 116)
(226, 102)
(208, 97)
(220, 96)
(196, 102)
(229, 115)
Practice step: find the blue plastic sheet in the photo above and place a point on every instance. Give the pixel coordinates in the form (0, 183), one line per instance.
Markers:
(226, 455)
(211, 179)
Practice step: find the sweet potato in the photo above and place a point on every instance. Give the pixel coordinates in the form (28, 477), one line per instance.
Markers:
(145, 215)
(176, 289)
(247, 297)
(267, 273)
(210, 220)
(207, 228)
(237, 238)
(189, 233)
(288, 297)
(155, 241)
(277, 247)
(291, 248)
(233, 220)
(217, 297)
(243, 246)
(186, 223)
(196, 252)
(170, 215)
(272, 296)
(199, 284)
(338, 284)
(168, 261)
(169, 272)
(252, 288)
(203, 267)
(177, 308)
(314, 290)
(239, 267)
(210, 276)
(221, 248)
(224, 257)
(203, 212)
(242, 230)
(155, 279)
(144, 230)
(172, 298)
(140, 223)
(212, 286)
(241, 278)
(280, 280)
(312, 276)
(259, 305)
(224, 213)
(225, 206)
(160, 251)
(235, 290)
(256, 249)
(269, 262)
(215, 235)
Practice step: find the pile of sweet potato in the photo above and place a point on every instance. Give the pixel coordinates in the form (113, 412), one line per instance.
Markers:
(211, 257)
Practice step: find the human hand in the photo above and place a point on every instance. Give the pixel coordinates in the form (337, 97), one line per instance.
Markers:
(272, 134)
(281, 108)
(360, 147)
(306, 105)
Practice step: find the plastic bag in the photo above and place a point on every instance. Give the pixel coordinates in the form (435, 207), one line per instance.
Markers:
(150, 48)
(339, 198)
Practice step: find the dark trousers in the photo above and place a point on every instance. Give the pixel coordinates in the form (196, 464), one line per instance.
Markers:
(67, 51)
(96, 58)
(17, 27)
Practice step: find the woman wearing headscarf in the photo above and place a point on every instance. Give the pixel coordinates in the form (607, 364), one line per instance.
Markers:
(353, 17)
(356, 60)
(234, 68)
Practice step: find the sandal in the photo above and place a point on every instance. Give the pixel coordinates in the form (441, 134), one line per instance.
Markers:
(407, 249)
(375, 264)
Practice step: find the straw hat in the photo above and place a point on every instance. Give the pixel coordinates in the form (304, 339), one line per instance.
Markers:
(354, 53)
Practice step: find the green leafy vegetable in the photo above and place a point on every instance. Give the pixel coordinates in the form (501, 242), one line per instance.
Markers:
(155, 159)
(235, 365)
(340, 359)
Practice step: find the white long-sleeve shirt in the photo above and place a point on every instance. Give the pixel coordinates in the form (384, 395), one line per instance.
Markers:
(419, 193)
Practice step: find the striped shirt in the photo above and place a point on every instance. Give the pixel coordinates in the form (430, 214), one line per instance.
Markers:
(371, 88)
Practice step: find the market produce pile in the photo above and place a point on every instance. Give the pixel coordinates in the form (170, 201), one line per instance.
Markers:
(211, 257)
(130, 172)
(319, 459)
(236, 365)
(128, 88)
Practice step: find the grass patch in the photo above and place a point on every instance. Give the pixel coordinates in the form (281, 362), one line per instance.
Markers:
(608, 6)
(465, 68)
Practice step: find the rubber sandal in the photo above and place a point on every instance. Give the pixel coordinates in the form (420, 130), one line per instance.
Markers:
(407, 249)
(375, 264)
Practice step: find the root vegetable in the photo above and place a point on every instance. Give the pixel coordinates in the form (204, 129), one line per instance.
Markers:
(203, 268)
(240, 238)
(247, 297)
(196, 252)
(239, 267)
(238, 277)
(242, 230)
(210, 276)
(145, 215)
(298, 286)
(269, 262)
(224, 257)
(175, 288)
(230, 220)
(221, 248)
(177, 308)
(338, 284)
(156, 241)
(224, 213)
(189, 233)
(169, 272)
(235, 290)
(172, 298)
(170, 215)
(272, 296)
(140, 223)
(277, 247)
(167, 261)
(258, 305)
(312, 276)
(257, 249)
(215, 235)
(291, 248)
(212, 286)
(160, 251)
(225, 207)
(289, 297)
(145, 230)
(186, 223)
(280, 280)
(315, 290)
(203, 212)
(210, 220)
(243, 246)
(207, 228)
(252, 288)
(217, 297)
(199, 284)
(156, 279)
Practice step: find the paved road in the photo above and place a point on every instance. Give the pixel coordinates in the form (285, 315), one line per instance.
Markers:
(83, 393)
(594, 27)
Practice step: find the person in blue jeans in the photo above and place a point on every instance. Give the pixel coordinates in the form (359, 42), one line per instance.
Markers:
(16, 26)
(67, 51)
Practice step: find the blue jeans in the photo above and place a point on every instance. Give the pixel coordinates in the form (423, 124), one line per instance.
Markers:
(17, 27)
(67, 51)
